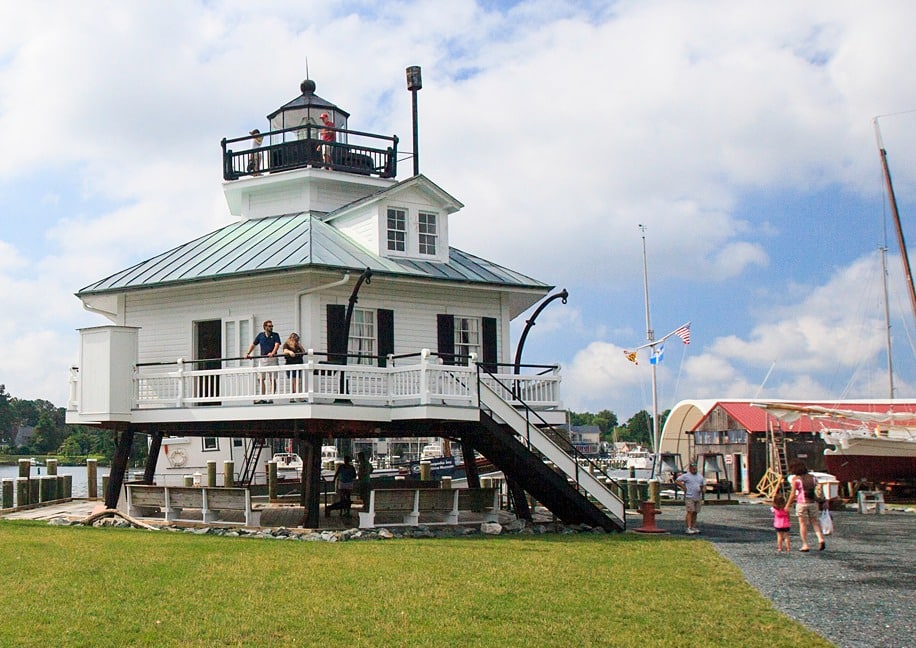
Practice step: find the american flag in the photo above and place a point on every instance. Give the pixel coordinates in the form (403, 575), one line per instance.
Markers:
(684, 333)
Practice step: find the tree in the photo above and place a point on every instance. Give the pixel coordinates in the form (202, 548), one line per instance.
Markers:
(7, 418)
(638, 428)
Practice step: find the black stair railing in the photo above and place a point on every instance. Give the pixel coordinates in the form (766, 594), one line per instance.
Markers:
(253, 448)
(556, 435)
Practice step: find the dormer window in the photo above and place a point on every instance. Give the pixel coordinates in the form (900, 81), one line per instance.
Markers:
(429, 233)
(397, 229)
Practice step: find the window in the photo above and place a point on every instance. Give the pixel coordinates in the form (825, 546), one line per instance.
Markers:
(210, 443)
(467, 338)
(397, 229)
(362, 336)
(428, 233)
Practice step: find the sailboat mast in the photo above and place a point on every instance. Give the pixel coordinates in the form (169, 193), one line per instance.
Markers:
(908, 274)
(887, 324)
(650, 337)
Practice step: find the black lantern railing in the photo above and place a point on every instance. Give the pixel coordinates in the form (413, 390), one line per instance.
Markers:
(302, 146)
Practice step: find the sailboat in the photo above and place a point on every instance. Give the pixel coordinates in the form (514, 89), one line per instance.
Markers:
(880, 446)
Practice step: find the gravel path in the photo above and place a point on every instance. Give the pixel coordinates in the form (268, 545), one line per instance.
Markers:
(858, 593)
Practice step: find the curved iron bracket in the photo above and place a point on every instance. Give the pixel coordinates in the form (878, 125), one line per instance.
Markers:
(366, 277)
(564, 295)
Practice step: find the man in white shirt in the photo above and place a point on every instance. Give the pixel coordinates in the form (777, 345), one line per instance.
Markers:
(693, 485)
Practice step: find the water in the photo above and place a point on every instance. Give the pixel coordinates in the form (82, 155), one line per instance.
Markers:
(80, 481)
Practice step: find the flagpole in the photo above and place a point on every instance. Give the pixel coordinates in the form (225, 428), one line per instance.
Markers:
(650, 337)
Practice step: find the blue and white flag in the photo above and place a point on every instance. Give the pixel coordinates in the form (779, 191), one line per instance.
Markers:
(657, 355)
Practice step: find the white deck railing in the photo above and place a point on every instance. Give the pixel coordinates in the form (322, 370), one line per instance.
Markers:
(425, 381)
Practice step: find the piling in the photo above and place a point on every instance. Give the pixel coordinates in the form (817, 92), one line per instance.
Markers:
(34, 490)
(272, 481)
(655, 492)
(105, 479)
(58, 486)
(92, 479)
(25, 465)
(642, 485)
(6, 499)
(47, 488)
(189, 480)
(228, 473)
(211, 473)
(67, 481)
(426, 471)
(22, 491)
(632, 494)
(446, 482)
(52, 466)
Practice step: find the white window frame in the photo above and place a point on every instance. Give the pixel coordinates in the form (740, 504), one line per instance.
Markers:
(363, 339)
(427, 233)
(467, 336)
(393, 232)
(209, 444)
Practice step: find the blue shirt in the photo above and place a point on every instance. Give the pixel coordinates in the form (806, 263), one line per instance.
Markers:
(267, 342)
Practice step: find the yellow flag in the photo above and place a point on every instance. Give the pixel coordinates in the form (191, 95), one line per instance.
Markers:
(631, 356)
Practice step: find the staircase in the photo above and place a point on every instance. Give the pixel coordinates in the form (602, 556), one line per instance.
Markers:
(541, 464)
(253, 449)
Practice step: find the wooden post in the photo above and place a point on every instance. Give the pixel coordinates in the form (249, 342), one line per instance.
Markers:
(228, 473)
(25, 465)
(632, 493)
(272, 481)
(655, 492)
(118, 468)
(446, 482)
(310, 494)
(67, 481)
(92, 478)
(189, 480)
(426, 471)
(470, 464)
(34, 490)
(105, 480)
(52, 466)
(22, 491)
(6, 501)
(47, 488)
(149, 472)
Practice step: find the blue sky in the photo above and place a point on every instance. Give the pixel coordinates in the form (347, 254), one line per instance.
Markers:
(739, 134)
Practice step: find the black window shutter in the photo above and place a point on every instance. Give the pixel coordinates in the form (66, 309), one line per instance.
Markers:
(337, 335)
(445, 325)
(385, 335)
(488, 344)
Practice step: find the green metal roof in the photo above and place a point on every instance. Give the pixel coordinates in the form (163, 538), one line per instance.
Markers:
(292, 242)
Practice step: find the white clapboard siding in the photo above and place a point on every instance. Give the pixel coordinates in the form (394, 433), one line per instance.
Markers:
(166, 316)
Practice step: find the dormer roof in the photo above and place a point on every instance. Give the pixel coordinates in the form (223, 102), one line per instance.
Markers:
(434, 192)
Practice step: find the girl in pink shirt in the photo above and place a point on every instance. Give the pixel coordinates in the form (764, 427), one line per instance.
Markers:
(780, 522)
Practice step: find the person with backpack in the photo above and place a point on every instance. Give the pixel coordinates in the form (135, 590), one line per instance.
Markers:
(803, 492)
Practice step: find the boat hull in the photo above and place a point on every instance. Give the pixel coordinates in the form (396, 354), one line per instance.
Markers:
(872, 459)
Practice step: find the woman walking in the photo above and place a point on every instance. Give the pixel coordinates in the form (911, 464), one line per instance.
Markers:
(807, 510)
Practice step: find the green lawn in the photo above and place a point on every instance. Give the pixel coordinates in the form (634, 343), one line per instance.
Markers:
(79, 586)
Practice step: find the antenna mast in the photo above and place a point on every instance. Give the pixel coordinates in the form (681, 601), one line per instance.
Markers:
(650, 337)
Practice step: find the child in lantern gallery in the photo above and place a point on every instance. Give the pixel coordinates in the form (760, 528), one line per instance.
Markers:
(780, 522)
